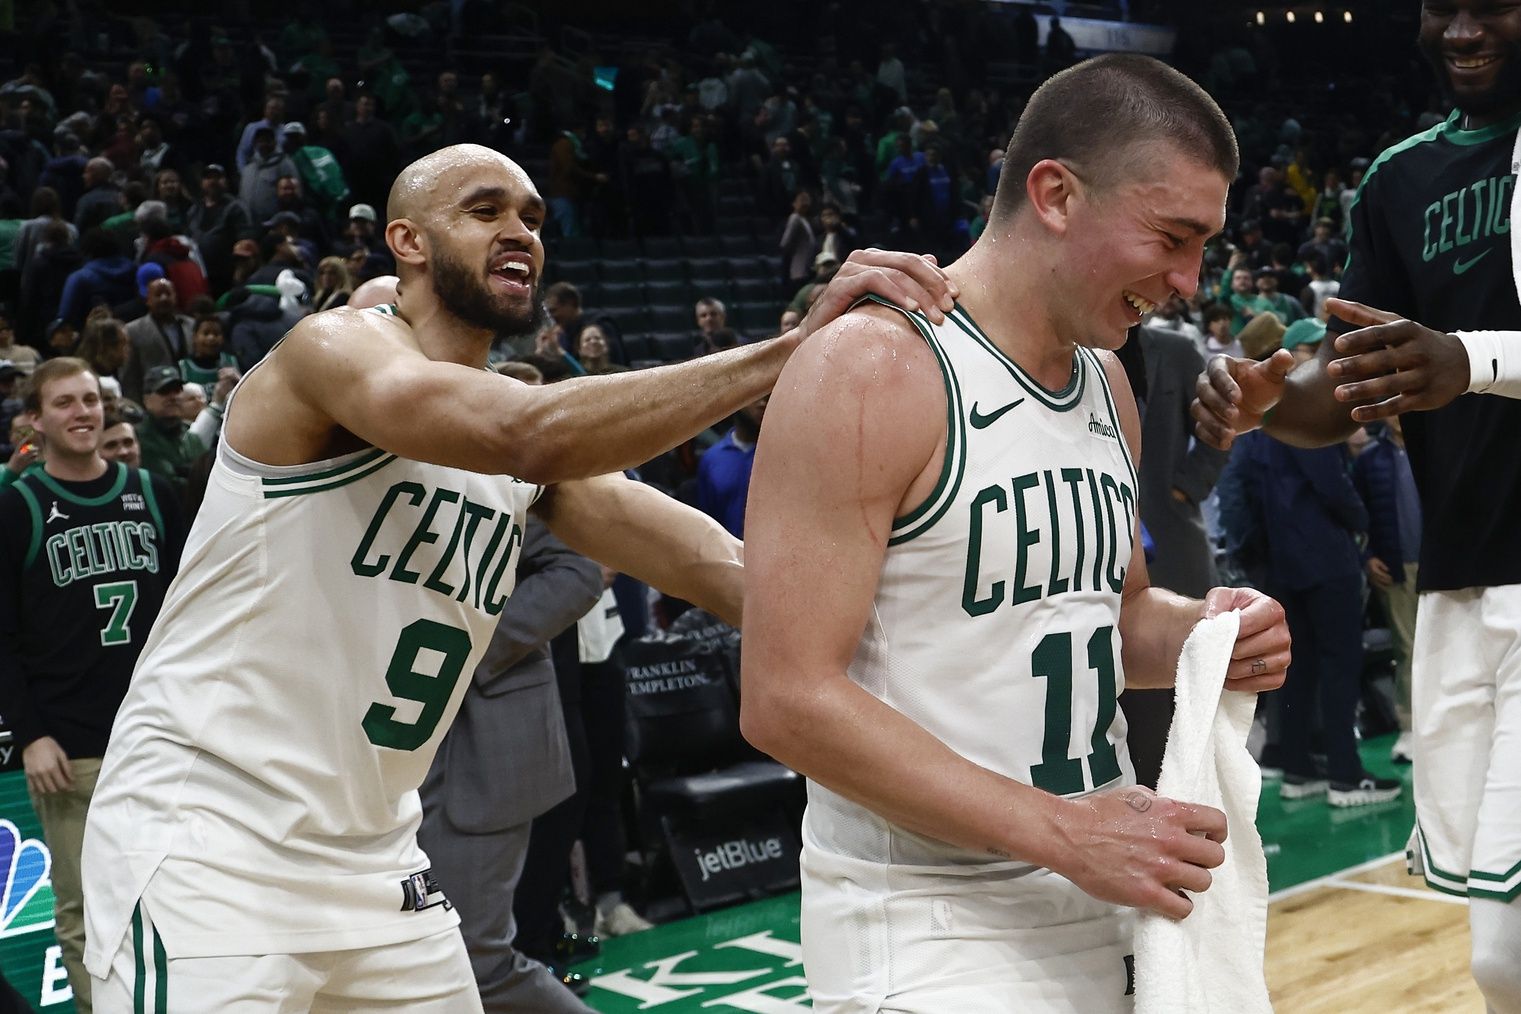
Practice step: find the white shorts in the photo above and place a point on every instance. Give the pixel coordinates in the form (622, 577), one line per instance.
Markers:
(881, 938)
(428, 976)
(1466, 707)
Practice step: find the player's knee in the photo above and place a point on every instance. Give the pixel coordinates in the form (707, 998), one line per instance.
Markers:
(1498, 975)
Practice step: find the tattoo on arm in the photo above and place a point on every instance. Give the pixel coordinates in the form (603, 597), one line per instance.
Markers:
(1140, 802)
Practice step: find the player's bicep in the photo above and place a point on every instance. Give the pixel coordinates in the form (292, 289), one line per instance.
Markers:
(853, 421)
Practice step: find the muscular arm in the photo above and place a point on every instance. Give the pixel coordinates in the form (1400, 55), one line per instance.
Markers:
(851, 425)
(637, 530)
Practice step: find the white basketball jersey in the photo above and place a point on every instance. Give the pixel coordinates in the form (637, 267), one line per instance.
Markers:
(260, 787)
(996, 621)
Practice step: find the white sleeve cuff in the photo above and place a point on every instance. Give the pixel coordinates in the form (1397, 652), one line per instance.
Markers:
(1490, 371)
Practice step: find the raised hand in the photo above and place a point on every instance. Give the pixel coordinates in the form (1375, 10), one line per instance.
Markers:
(1392, 365)
(1232, 395)
(912, 281)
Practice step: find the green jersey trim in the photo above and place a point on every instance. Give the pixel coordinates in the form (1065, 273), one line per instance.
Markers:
(1059, 401)
(152, 501)
(1479, 135)
(110, 494)
(919, 520)
(385, 310)
(364, 458)
(348, 477)
(1114, 414)
(34, 545)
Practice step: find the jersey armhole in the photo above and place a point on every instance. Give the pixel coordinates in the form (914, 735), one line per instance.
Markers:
(923, 517)
(34, 544)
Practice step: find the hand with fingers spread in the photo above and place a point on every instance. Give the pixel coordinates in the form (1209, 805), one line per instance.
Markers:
(912, 281)
(1261, 656)
(1232, 395)
(1133, 847)
(1391, 365)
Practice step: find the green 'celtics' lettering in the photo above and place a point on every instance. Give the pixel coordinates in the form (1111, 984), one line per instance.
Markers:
(431, 690)
(1027, 537)
(969, 600)
(1471, 214)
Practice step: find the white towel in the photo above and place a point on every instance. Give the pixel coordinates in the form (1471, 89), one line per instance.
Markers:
(1212, 960)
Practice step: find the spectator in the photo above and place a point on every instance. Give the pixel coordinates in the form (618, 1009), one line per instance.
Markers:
(261, 321)
(1325, 245)
(105, 279)
(209, 360)
(1219, 332)
(272, 120)
(838, 238)
(118, 441)
(723, 474)
(23, 358)
(321, 175)
(570, 179)
(160, 338)
(154, 154)
(1321, 288)
(646, 176)
(592, 351)
(372, 151)
(798, 245)
(101, 198)
(168, 446)
(1061, 50)
(291, 205)
(1242, 298)
(104, 345)
(216, 224)
(1173, 316)
(334, 284)
(170, 190)
(1269, 299)
(70, 632)
(891, 73)
(11, 385)
(712, 317)
(171, 252)
(1386, 484)
(825, 265)
(261, 175)
(779, 178)
(45, 209)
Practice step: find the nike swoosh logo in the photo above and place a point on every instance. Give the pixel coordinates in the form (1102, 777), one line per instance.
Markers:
(1458, 267)
(980, 421)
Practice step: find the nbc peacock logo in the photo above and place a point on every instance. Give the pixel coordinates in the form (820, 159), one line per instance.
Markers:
(25, 863)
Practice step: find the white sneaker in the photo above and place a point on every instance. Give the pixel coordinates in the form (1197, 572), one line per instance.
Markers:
(621, 921)
(1403, 751)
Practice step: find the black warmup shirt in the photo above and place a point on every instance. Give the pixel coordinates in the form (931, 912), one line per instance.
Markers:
(83, 571)
(1431, 242)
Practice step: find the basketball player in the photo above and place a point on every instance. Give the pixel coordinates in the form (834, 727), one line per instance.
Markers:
(252, 844)
(1431, 243)
(945, 590)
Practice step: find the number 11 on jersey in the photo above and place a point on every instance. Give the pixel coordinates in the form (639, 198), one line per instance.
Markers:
(1058, 773)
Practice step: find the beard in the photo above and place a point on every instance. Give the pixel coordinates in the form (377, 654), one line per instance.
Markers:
(466, 296)
(1505, 92)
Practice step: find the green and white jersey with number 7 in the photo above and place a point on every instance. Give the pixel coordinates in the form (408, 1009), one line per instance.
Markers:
(260, 789)
(996, 620)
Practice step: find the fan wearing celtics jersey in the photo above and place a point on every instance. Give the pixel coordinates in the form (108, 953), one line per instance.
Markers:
(252, 842)
(945, 591)
(1430, 325)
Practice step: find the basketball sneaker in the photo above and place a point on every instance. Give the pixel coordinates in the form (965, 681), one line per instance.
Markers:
(1301, 786)
(620, 921)
(1364, 791)
(1403, 751)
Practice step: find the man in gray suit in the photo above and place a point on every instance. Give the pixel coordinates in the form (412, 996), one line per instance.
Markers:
(162, 338)
(1177, 474)
(504, 762)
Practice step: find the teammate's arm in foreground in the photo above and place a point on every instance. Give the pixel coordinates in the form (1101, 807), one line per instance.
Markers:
(637, 530)
(363, 373)
(1155, 622)
(854, 432)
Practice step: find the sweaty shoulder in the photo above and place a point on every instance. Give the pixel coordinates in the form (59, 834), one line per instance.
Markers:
(871, 343)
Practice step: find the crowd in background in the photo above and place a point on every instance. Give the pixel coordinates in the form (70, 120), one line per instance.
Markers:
(174, 197)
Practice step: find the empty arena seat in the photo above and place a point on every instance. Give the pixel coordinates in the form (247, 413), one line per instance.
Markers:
(662, 246)
(621, 271)
(668, 292)
(620, 294)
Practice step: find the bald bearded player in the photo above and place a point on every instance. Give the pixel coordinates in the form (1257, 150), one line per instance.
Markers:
(252, 842)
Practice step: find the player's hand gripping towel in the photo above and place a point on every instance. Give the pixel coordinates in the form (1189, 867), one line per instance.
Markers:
(1212, 960)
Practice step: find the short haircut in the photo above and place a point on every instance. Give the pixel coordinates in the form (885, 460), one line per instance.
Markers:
(1218, 311)
(526, 372)
(54, 369)
(713, 302)
(113, 419)
(563, 292)
(1095, 114)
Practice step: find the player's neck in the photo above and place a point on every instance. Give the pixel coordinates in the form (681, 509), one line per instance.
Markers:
(442, 335)
(1006, 294)
(1474, 120)
(75, 467)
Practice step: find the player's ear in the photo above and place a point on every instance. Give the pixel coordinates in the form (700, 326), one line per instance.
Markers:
(1050, 189)
(407, 241)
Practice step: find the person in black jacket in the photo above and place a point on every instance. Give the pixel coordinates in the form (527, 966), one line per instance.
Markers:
(1387, 485)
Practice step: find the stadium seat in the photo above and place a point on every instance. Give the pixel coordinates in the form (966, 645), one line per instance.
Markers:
(621, 271)
(662, 246)
(668, 292)
(637, 347)
(573, 248)
(577, 273)
(755, 290)
(665, 269)
(672, 317)
(755, 320)
(612, 295)
(701, 246)
(753, 266)
(672, 346)
(620, 249)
